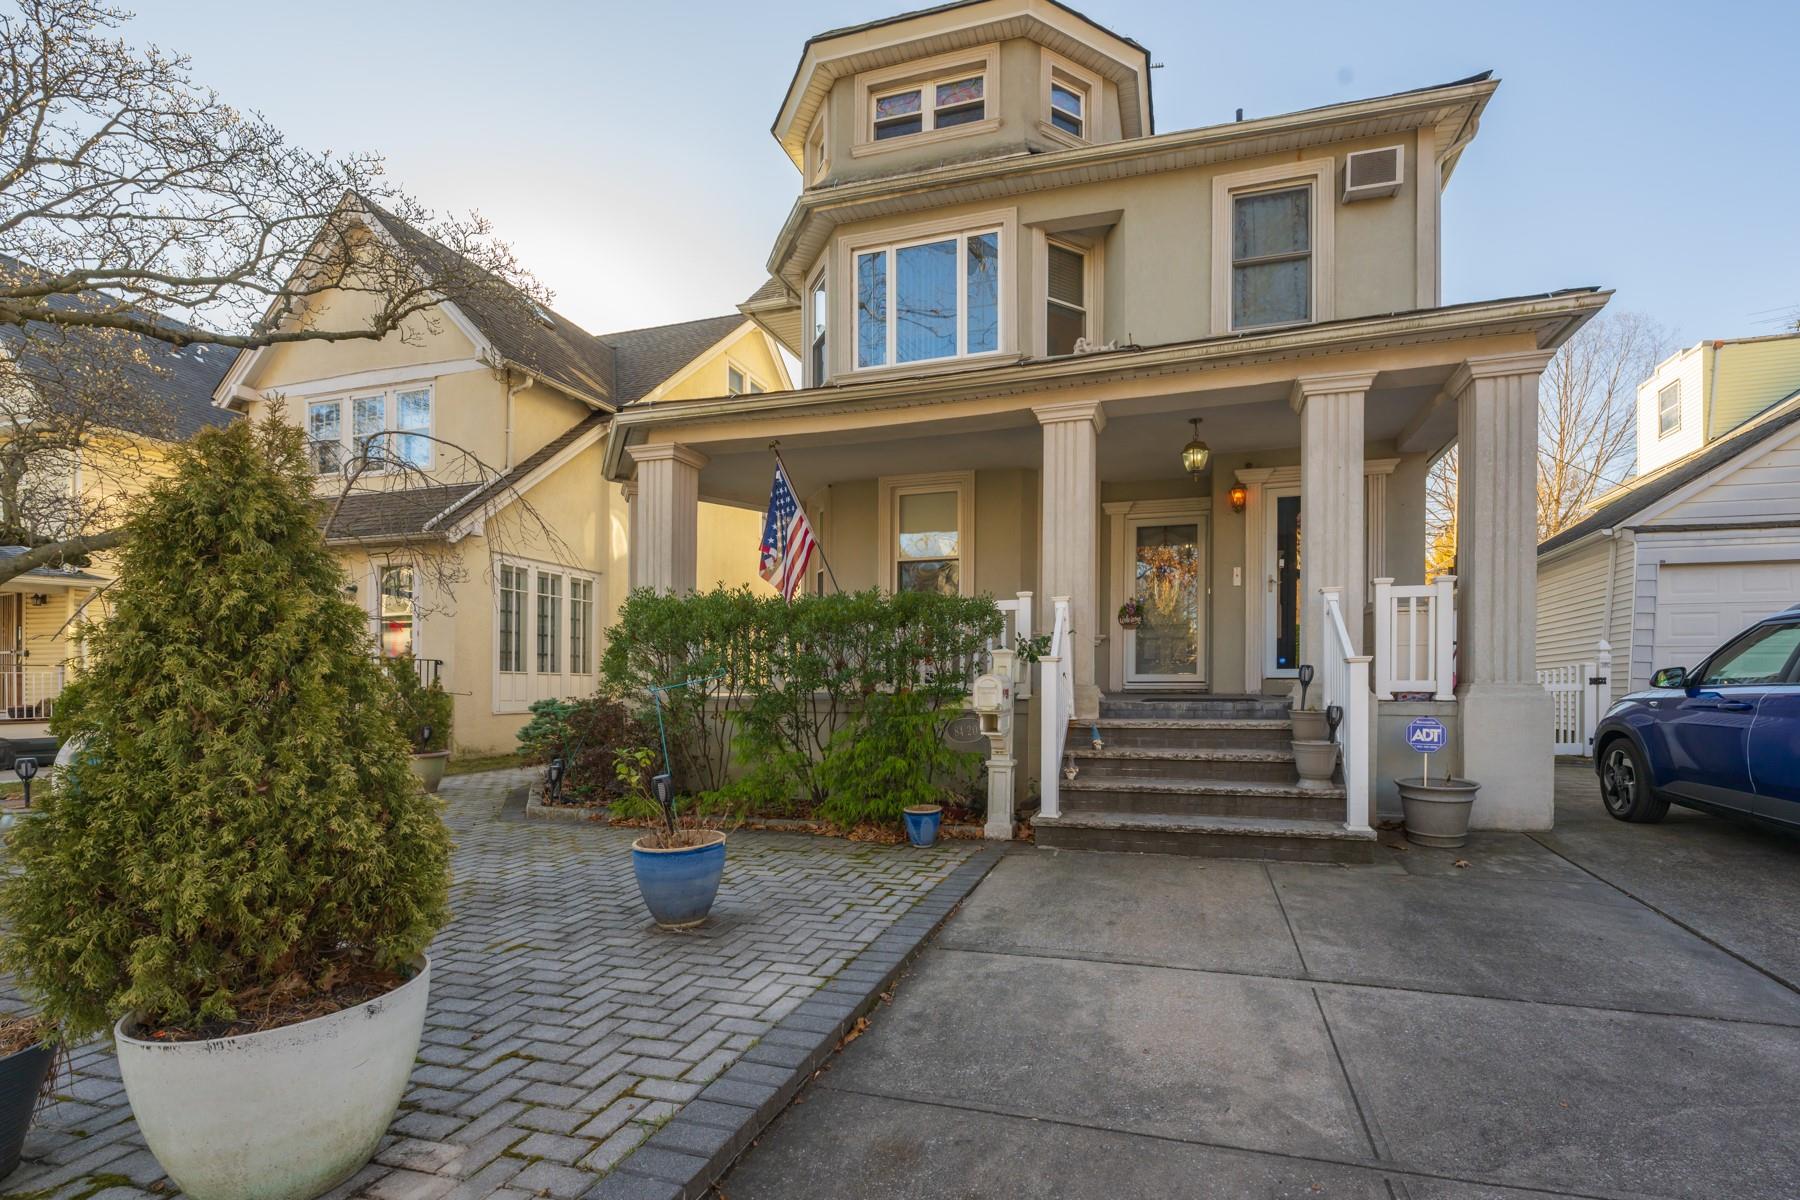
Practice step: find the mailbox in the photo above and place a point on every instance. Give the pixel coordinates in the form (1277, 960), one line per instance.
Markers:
(989, 696)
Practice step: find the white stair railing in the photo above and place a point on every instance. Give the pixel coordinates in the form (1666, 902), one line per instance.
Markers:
(1415, 638)
(29, 693)
(1056, 700)
(1346, 685)
(1017, 615)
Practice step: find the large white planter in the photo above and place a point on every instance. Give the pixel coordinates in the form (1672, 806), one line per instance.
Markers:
(286, 1114)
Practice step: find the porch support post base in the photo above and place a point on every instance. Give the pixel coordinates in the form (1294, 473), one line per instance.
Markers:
(1070, 534)
(1000, 799)
(1505, 738)
(665, 518)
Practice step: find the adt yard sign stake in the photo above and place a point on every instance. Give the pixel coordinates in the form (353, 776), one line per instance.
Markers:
(1427, 735)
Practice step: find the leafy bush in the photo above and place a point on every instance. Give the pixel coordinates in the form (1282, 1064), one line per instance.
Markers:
(836, 705)
(594, 736)
(422, 706)
(242, 821)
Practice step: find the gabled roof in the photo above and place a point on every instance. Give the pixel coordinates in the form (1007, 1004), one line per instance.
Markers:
(176, 383)
(527, 334)
(1624, 502)
(644, 358)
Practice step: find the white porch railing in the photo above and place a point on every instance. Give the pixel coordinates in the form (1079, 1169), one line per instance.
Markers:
(1346, 684)
(1056, 698)
(29, 693)
(1579, 693)
(1415, 638)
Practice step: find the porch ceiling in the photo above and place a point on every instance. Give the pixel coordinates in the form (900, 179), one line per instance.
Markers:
(1142, 439)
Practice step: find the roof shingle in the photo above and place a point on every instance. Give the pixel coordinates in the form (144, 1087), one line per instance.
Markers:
(644, 358)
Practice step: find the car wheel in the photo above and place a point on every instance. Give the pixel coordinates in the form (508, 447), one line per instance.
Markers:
(1625, 784)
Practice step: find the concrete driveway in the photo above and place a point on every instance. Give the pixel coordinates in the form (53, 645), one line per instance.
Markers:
(1607, 1010)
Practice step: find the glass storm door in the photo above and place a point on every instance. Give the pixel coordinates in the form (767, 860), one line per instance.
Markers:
(1284, 585)
(1168, 567)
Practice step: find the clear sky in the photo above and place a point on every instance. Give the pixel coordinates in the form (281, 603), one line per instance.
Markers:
(624, 148)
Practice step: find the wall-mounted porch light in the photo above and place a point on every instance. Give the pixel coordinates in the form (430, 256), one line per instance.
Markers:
(1240, 496)
(1196, 454)
(39, 599)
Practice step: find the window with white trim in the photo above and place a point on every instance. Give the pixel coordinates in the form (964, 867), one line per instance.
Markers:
(926, 531)
(513, 583)
(397, 614)
(816, 163)
(549, 623)
(581, 626)
(392, 427)
(739, 382)
(1668, 409)
(932, 104)
(1068, 106)
(1066, 299)
(929, 299)
(816, 344)
(1069, 97)
(1271, 257)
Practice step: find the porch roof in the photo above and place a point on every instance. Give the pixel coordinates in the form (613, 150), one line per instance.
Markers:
(1547, 319)
(54, 577)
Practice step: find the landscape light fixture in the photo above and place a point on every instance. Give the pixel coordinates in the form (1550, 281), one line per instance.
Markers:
(1196, 454)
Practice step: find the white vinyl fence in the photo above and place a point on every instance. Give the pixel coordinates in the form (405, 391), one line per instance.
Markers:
(1579, 694)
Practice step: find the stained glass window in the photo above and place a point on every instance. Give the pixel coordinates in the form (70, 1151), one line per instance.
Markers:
(959, 102)
(899, 114)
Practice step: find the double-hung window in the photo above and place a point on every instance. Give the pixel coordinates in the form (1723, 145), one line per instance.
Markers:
(932, 104)
(549, 623)
(513, 592)
(1066, 301)
(1668, 409)
(387, 430)
(1271, 257)
(581, 626)
(925, 300)
(1068, 108)
(926, 535)
(816, 345)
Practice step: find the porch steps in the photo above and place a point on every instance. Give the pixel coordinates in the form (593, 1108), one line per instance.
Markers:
(1198, 775)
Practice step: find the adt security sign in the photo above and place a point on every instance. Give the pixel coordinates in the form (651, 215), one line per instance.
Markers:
(1425, 734)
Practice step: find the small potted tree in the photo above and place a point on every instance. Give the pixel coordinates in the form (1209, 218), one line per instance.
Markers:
(679, 864)
(424, 715)
(241, 876)
(28, 1052)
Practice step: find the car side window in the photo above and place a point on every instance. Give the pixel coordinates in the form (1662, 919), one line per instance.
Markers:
(1763, 655)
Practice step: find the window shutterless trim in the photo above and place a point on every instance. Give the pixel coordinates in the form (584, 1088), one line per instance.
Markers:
(891, 283)
(1322, 213)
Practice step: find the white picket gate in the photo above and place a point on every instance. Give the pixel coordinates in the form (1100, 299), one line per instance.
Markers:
(1578, 695)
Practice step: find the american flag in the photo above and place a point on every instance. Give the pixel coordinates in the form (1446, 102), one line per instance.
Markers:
(787, 540)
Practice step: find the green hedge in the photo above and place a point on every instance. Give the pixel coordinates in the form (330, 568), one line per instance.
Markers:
(831, 706)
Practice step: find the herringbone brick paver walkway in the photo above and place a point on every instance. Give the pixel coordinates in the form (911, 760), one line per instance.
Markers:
(564, 1027)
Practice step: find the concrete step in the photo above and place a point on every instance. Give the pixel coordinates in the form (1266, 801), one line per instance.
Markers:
(1198, 705)
(1183, 763)
(1199, 798)
(1207, 836)
(1185, 733)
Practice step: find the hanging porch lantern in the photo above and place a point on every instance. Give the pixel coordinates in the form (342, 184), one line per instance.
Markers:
(1196, 454)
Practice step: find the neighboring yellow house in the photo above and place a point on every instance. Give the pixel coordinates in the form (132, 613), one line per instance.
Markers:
(497, 554)
(42, 611)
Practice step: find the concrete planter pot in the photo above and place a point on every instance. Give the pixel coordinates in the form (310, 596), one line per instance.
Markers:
(285, 1114)
(22, 1075)
(1316, 761)
(679, 885)
(428, 766)
(922, 822)
(1437, 813)
(1309, 725)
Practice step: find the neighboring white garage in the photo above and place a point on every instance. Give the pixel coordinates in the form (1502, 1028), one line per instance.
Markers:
(1701, 605)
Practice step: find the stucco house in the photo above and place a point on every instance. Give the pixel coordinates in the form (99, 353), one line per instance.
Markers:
(1012, 295)
(1702, 540)
(494, 549)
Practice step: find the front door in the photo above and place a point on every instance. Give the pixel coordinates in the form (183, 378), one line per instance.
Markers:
(1282, 588)
(11, 652)
(1168, 567)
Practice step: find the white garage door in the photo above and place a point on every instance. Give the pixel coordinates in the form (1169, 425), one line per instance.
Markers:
(1700, 606)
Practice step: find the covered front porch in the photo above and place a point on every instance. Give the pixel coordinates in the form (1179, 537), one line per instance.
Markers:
(1302, 542)
(41, 612)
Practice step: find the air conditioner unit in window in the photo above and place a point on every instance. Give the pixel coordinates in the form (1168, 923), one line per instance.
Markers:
(1371, 174)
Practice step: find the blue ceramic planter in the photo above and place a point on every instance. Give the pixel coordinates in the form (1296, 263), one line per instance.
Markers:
(922, 824)
(678, 885)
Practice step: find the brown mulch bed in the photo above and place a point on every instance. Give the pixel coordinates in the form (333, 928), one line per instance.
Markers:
(286, 1002)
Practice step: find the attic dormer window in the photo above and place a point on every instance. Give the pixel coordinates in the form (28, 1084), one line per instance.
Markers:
(925, 101)
(1066, 108)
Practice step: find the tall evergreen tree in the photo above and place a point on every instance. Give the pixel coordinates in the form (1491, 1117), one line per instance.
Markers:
(241, 819)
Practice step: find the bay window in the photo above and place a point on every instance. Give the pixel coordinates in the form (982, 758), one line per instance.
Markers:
(930, 299)
(512, 584)
(546, 633)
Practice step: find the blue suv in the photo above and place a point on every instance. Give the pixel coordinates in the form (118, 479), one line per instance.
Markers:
(1723, 737)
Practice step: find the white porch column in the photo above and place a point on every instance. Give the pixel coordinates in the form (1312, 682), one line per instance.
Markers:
(633, 560)
(665, 529)
(1505, 714)
(1069, 536)
(1331, 503)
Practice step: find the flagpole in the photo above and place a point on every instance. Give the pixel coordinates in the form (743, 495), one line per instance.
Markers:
(818, 544)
